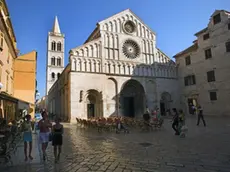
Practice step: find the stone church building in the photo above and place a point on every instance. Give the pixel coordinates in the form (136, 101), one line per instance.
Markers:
(117, 71)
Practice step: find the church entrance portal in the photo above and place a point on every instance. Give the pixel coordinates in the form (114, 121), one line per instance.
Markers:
(94, 104)
(132, 99)
(129, 106)
(165, 103)
(90, 110)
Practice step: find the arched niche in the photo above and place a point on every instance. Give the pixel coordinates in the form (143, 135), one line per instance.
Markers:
(93, 104)
(132, 99)
(165, 102)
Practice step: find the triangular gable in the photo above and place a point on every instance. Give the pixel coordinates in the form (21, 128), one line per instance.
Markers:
(94, 35)
(123, 14)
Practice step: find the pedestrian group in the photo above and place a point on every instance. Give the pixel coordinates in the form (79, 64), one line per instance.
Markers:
(48, 133)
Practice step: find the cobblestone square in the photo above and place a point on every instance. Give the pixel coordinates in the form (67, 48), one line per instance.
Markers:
(205, 149)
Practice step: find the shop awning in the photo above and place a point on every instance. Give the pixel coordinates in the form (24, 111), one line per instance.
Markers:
(21, 104)
(5, 96)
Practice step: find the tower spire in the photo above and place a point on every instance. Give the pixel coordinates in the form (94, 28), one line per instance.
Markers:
(56, 28)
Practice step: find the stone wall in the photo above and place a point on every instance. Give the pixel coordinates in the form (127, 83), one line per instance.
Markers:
(110, 86)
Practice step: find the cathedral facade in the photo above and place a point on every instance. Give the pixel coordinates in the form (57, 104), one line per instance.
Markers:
(118, 71)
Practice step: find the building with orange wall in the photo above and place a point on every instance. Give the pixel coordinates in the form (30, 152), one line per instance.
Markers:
(12, 104)
(8, 50)
(25, 78)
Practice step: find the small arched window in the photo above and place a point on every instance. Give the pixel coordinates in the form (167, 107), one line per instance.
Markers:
(53, 75)
(58, 75)
(53, 46)
(53, 61)
(59, 61)
(1, 41)
(59, 46)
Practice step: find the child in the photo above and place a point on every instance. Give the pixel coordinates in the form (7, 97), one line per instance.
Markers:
(27, 136)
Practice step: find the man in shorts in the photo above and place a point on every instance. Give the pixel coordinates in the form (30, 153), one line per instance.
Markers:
(44, 127)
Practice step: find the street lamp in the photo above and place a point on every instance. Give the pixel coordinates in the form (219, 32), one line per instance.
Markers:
(1, 85)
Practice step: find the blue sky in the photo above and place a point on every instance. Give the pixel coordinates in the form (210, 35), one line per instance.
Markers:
(174, 22)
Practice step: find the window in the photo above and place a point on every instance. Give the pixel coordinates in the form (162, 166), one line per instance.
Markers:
(53, 61)
(227, 44)
(7, 83)
(8, 57)
(206, 36)
(228, 26)
(208, 53)
(211, 76)
(59, 61)
(53, 46)
(1, 41)
(12, 84)
(213, 95)
(58, 75)
(216, 19)
(59, 46)
(189, 80)
(187, 60)
(53, 75)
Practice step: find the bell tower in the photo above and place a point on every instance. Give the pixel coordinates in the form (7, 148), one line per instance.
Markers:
(55, 55)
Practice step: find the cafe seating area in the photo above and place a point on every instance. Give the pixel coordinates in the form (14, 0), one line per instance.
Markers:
(111, 124)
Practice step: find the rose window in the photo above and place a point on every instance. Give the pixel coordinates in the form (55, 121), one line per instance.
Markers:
(131, 49)
(129, 27)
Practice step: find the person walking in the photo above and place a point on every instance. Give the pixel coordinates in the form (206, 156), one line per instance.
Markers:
(175, 121)
(27, 136)
(57, 132)
(200, 116)
(44, 134)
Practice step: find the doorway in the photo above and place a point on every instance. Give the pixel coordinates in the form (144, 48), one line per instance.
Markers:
(165, 102)
(129, 107)
(162, 108)
(93, 104)
(132, 99)
(192, 102)
(91, 110)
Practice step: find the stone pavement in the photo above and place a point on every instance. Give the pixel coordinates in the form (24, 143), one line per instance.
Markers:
(205, 149)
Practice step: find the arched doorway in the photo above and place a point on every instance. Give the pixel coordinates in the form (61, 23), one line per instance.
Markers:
(94, 104)
(132, 99)
(165, 102)
(192, 101)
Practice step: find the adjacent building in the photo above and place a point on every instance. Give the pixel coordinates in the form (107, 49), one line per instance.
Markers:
(40, 104)
(204, 67)
(119, 70)
(25, 84)
(11, 105)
